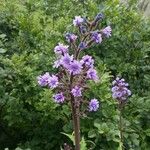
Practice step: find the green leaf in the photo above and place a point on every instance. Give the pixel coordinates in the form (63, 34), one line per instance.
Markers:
(97, 123)
(83, 144)
(2, 36)
(2, 50)
(70, 136)
(147, 132)
(92, 134)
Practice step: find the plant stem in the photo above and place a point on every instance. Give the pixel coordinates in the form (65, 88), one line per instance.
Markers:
(75, 108)
(121, 126)
(76, 123)
(75, 117)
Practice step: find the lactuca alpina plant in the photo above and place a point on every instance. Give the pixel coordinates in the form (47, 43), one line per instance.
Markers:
(120, 92)
(75, 70)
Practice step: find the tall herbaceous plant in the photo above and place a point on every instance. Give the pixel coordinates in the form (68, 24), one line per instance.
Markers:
(75, 70)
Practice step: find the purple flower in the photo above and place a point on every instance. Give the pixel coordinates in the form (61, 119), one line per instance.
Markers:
(57, 63)
(59, 98)
(75, 67)
(76, 91)
(66, 60)
(61, 49)
(93, 105)
(71, 37)
(99, 17)
(92, 74)
(78, 21)
(107, 31)
(53, 81)
(96, 37)
(129, 92)
(120, 89)
(43, 79)
(115, 88)
(87, 61)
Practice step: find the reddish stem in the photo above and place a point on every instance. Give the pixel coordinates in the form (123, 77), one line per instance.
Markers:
(76, 123)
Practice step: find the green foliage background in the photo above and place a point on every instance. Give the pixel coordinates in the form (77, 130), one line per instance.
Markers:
(29, 30)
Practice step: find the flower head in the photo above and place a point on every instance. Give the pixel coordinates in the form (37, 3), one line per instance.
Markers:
(87, 61)
(96, 37)
(59, 97)
(75, 67)
(53, 81)
(76, 91)
(43, 79)
(93, 105)
(78, 21)
(107, 31)
(120, 90)
(61, 49)
(92, 74)
(66, 60)
(71, 37)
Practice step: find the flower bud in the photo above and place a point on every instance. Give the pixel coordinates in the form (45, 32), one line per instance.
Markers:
(71, 37)
(99, 17)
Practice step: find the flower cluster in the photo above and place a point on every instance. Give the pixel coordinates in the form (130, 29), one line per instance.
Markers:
(59, 97)
(93, 105)
(97, 37)
(61, 49)
(107, 31)
(76, 91)
(47, 80)
(120, 90)
(78, 21)
(74, 72)
(70, 37)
